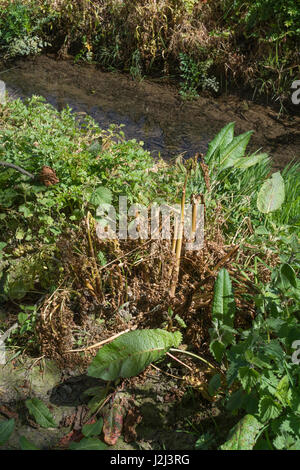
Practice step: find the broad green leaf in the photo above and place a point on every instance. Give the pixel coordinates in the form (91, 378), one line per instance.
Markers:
(17, 288)
(272, 194)
(131, 353)
(268, 408)
(223, 301)
(261, 230)
(95, 403)
(247, 162)
(234, 151)
(243, 435)
(6, 430)
(224, 137)
(234, 366)
(88, 443)
(41, 413)
(95, 391)
(25, 444)
(90, 430)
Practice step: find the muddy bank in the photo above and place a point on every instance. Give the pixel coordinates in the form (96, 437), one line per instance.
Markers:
(162, 409)
(152, 112)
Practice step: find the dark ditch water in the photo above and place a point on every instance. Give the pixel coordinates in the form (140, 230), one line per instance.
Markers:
(152, 112)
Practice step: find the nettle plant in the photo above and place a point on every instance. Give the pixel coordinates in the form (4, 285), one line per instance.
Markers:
(195, 77)
(262, 377)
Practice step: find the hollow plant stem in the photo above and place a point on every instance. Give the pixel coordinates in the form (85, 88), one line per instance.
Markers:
(179, 242)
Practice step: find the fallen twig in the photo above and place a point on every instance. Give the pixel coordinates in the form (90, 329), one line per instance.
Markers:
(17, 168)
(108, 340)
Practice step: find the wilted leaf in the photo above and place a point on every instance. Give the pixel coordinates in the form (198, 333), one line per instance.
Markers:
(113, 424)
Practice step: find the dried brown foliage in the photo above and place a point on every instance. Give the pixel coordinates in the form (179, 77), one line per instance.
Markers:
(135, 290)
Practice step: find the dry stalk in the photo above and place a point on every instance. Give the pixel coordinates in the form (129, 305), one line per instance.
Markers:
(97, 345)
(195, 199)
(95, 271)
(175, 234)
(179, 242)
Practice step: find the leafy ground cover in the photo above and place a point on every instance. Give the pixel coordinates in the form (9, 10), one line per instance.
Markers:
(207, 45)
(230, 310)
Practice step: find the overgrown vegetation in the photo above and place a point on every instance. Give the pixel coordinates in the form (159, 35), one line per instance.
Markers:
(208, 44)
(234, 302)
